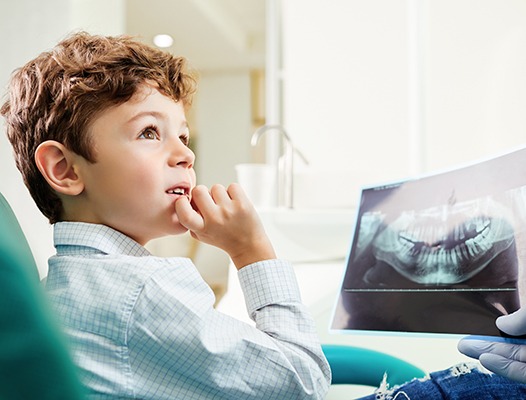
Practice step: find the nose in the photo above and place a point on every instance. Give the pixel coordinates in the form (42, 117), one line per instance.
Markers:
(181, 155)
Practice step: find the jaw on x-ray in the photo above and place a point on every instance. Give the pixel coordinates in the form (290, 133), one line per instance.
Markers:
(439, 254)
(442, 245)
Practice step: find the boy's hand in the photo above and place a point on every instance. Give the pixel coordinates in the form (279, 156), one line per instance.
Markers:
(226, 218)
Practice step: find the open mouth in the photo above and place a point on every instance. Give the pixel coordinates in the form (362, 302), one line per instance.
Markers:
(179, 191)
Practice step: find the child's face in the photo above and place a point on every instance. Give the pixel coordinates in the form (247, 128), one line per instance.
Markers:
(143, 165)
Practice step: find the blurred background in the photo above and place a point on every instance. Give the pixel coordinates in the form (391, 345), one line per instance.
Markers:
(370, 92)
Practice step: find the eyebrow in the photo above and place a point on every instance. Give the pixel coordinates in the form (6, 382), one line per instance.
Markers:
(143, 114)
(155, 114)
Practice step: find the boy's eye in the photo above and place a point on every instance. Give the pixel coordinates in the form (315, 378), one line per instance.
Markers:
(185, 138)
(149, 133)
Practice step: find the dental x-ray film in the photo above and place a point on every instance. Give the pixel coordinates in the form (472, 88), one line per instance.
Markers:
(440, 254)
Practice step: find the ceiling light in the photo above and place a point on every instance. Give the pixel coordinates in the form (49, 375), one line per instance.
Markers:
(163, 40)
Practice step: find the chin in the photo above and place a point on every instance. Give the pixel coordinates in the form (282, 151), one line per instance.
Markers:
(158, 233)
(175, 229)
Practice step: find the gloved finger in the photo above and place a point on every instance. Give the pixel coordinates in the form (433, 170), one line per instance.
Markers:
(513, 324)
(503, 366)
(474, 348)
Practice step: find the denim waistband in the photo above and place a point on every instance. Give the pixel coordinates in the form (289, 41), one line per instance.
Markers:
(465, 381)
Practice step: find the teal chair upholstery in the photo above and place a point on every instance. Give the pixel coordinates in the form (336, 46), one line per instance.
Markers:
(359, 366)
(34, 361)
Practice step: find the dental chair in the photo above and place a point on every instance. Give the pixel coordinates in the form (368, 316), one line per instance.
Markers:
(359, 366)
(34, 359)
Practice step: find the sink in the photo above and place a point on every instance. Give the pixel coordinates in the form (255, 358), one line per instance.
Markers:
(309, 235)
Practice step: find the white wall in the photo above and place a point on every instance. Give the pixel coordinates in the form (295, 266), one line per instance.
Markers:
(475, 79)
(28, 27)
(346, 83)
(223, 125)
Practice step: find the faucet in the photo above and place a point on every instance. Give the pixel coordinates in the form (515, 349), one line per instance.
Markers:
(285, 163)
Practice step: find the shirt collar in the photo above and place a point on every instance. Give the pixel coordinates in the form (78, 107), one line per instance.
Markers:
(98, 238)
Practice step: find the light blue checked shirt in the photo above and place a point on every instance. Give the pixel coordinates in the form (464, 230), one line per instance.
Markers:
(144, 327)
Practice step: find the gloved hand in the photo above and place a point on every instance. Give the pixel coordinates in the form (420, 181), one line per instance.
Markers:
(503, 356)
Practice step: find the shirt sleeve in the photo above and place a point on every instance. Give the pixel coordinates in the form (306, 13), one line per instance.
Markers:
(181, 347)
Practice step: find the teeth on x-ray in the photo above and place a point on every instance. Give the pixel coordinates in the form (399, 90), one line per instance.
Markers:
(445, 246)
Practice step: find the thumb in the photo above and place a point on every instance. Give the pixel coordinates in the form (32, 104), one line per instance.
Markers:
(513, 324)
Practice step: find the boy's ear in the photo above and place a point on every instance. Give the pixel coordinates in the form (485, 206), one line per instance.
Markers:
(57, 164)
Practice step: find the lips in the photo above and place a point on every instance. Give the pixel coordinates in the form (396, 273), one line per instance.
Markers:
(181, 189)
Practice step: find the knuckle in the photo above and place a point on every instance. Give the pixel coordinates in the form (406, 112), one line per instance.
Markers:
(200, 189)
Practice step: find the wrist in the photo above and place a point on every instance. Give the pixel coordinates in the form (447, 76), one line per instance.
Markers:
(252, 254)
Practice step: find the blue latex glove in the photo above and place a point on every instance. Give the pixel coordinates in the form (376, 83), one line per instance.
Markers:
(503, 356)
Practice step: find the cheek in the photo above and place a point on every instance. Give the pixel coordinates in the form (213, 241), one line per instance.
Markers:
(139, 171)
(131, 181)
(193, 178)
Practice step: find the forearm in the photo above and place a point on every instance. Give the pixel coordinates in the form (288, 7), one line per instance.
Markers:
(221, 357)
(273, 302)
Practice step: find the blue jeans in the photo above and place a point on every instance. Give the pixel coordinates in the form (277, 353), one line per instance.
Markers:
(461, 382)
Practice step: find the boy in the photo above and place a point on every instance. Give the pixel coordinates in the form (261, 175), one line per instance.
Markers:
(99, 134)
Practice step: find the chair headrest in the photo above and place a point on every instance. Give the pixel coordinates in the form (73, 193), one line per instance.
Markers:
(13, 242)
(34, 359)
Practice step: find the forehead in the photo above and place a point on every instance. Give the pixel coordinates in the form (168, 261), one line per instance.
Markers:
(147, 100)
(150, 94)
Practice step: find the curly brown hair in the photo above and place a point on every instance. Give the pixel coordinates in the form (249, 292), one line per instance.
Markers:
(57, 95)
